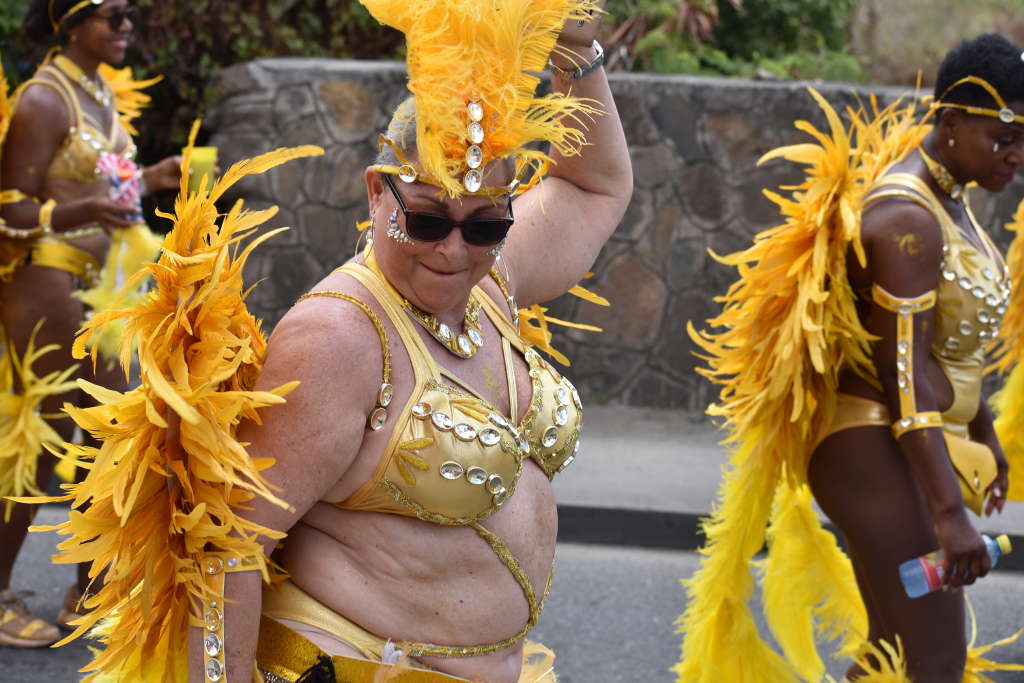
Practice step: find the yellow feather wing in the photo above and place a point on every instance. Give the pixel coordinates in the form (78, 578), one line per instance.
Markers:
(128, 96)
(151, 501)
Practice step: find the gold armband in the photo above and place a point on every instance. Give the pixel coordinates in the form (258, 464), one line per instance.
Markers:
(15, 196)
(214, 566)
(910, 418)
(46, 216)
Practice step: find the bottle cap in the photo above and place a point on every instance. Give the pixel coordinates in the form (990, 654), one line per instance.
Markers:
(1003, 541)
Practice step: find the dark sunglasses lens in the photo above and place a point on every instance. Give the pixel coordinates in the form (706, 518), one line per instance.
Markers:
(117, 19)
(427, 227)
(485, 233)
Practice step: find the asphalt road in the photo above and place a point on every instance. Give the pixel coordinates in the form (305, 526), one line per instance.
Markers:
(609, 617)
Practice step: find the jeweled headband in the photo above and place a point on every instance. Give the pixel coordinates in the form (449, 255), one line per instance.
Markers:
(76, 8)
(1004, 113)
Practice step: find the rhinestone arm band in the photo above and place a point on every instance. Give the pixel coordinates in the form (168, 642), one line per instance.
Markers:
(214, 566)
(582, 70)
(905, 308)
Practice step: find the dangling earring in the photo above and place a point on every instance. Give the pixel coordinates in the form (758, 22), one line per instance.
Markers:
(952, 142)
(496, 251)
(395, 232)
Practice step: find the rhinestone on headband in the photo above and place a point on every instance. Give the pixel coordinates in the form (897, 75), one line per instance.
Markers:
(473, 179)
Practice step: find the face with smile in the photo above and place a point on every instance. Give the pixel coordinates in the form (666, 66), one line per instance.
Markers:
(986, 150)
(104, 35)
(434, 276)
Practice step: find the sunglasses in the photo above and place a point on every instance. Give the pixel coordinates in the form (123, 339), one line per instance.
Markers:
(117, 18)
(432, 227)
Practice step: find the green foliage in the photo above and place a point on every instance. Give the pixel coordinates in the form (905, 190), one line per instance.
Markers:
(754, 38)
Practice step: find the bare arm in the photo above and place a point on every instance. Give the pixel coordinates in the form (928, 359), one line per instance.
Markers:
(332, 350)
(562, 224)
(904, 246)
(38, 128)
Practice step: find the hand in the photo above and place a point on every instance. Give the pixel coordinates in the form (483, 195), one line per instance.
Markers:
(163, 175)
(999, 487)
(966, 555)
(110, 214)
(575, 35)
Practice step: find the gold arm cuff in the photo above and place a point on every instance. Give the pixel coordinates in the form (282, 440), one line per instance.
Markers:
(901, 305)
(915, 421)
(214, 566)
(15, 196)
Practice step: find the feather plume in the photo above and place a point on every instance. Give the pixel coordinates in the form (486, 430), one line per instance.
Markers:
(1008, 403)
(881, 663)
(129, 100)
(826, 592)
(151, 499)
(489, 52)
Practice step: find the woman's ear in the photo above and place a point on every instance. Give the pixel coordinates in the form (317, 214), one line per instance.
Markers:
(374, 188)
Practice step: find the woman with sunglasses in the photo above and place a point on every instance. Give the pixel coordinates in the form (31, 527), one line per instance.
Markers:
(417, 451)
(57, 221)
(851, 353)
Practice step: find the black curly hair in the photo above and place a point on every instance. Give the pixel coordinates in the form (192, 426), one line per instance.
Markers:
(39, 29)
(989, 56)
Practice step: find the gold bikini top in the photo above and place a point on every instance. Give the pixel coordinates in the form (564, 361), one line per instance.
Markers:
(972, 297)
(86, 140)
(453, 458)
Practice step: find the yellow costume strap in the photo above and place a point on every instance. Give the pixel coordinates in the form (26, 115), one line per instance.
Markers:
(1004, 113)
(75, 9)
(905, 308)
(379, 415)
(214, 566)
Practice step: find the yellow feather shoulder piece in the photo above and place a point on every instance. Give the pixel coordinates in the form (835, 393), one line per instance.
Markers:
(788, 325)
(1008, 403)
(128, 96)
(154, 498)
(534, 323)
(6, 104)
(488, 52)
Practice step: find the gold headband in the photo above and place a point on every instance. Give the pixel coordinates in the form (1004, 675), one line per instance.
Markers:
(409, 173)
(1004, 113)
(78, 7)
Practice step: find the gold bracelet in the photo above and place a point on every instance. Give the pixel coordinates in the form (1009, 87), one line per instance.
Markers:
(46, 216)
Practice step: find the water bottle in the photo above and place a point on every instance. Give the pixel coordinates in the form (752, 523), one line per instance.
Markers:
(923, 575)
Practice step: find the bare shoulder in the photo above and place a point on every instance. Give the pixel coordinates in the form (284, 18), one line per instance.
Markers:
(903, 241)
(41, 107)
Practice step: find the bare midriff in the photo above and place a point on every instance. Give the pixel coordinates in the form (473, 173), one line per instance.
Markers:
(404, 579)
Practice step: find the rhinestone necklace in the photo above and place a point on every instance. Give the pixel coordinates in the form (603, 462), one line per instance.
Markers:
(943, 178)
(100, 92)
(464, 345)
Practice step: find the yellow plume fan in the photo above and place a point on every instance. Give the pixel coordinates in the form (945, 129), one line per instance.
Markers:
(808, 578)
(130, 249)
(152, 499)
(489, 52)
(128, 96)
(24, 430)
(976, 663)
(6, 104)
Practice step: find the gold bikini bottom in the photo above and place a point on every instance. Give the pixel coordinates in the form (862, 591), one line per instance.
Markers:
(973, 462)
(58, 254)
(284, 655)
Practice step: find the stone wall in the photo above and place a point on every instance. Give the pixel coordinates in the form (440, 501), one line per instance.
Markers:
(694, 144)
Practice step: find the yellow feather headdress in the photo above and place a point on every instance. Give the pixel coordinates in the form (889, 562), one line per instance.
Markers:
(473, 71)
